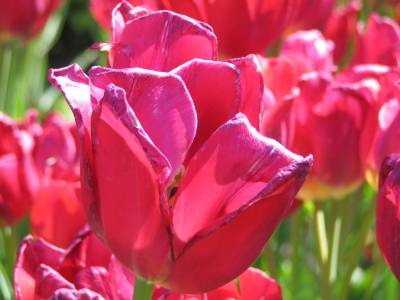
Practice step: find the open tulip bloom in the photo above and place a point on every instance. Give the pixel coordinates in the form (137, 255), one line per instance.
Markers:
(189, 221)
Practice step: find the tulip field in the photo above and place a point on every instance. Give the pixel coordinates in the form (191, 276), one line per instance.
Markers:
(200, 149)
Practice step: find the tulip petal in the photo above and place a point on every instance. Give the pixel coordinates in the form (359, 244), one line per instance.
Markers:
(234, 192)
(388, 213)
(129, 188)
(232, 86)
(74, 85)
(161, 103)
(30, 256)
(255, 284)
(48, 281)
(178, 39)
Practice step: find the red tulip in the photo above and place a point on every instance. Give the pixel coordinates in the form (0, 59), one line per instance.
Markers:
(388, 213)
(183, 228)
(159, 41)
(24, 18)
(312, 14)
(248, 26)
(18, 178)
(341, 28)
(102, 9)
(57, 214)
(320, 120)
(384, 34)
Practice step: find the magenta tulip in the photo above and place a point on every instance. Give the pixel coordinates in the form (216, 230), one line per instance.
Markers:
(183, 228)
(388, 213)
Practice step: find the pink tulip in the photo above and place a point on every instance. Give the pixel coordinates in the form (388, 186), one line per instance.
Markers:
(57, 214)
(380, 133)
(181, 227)
(159, 41)
(24, 18)
(384, 34)
(243, 28)
(388, 213)
(301, 53)
(310, 48)
(18, 178)
(322, 118)
(102, 10)
(87, 270)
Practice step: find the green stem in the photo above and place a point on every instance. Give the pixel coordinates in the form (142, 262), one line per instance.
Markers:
(295, 242)
(361, 236)
(270, 261)
(323, 251)
(143, 289)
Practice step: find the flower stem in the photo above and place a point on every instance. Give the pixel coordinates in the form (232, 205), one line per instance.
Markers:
(143, 289)
(295, 243)
(270, 261)
(364, 227)
(323, 250)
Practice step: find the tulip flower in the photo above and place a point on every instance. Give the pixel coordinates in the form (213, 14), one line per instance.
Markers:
(24, 18)
(380, 84)
(18, 178)
(382, 32)
(243, 28)
(57, 213)
(312, 14)
(388, 213)
(341, 28)
(183, 228)
(87, 269)
(322, 118)
(101, 10)
(159, 41)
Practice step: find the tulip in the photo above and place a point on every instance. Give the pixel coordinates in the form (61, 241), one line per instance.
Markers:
(322, 118)
(18, 178)
(388, 213)
(159, 41)
(57, 213)
(301, 53)
(243, 28)
(380, 84)
(382, 32)
(88, 270)
(312, 14)
(24, 18)
(101, 10)
(341, 28)
(189, 228)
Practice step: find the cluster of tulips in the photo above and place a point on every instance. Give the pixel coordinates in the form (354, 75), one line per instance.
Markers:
(211, 123)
